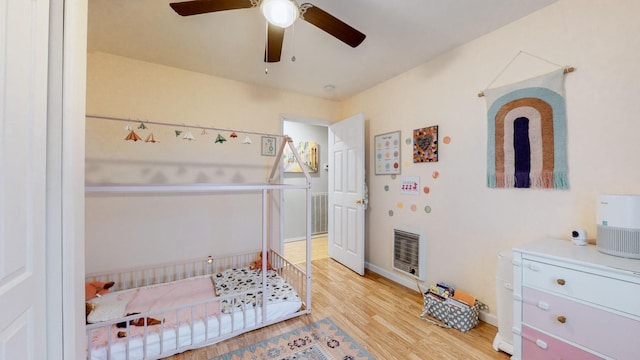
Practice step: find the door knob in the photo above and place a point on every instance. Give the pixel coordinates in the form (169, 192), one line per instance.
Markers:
(359, 201)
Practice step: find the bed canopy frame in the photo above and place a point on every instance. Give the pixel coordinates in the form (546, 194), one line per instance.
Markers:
(266, 189)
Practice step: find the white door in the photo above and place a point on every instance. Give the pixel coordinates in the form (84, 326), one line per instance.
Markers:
(347, 192)
(23, 126)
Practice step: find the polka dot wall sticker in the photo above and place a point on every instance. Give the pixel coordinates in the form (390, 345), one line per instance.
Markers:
(386, 188)
(390, 212)
(400, 205)
(446, 140)
(435, 174)
(406, 164)
(427, 209)
(393, 176)
(413, 207)
(426, 189)
(408, 141)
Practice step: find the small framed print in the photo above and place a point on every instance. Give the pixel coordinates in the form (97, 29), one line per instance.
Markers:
(268, 146)
(387, 148)
(410, 185)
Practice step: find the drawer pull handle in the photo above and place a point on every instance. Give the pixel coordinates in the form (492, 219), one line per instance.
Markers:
(543, 305)
(562, 319)
(534, 267)
(541, 344)
(561, 282)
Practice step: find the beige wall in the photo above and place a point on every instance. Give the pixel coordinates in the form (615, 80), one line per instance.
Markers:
(125, 230)
(470, 223)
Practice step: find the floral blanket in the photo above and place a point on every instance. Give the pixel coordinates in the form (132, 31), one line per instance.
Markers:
(233, 281)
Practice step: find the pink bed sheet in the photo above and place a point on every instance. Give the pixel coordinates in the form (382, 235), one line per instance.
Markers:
(160, 297)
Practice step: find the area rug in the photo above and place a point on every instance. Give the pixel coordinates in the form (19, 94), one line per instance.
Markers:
(321, 340)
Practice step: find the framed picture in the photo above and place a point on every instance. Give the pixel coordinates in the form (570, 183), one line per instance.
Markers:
(425, 144)
(387, 148)
(268, 146)
(308, 152)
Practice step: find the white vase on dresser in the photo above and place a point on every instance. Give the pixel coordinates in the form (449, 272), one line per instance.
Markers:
(574, 302)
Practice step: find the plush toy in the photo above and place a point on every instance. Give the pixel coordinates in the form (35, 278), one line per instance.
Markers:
(258, 263)
(96, 289)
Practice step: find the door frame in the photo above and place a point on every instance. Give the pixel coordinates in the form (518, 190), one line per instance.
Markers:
(65, 179)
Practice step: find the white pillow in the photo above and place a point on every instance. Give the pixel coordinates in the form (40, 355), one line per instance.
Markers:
(106, 310)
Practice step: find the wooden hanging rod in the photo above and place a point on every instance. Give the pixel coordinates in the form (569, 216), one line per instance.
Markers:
(567, 70)
(180, 125)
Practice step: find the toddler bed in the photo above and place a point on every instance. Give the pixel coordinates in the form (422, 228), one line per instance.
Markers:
(187, 305)
(155, 312)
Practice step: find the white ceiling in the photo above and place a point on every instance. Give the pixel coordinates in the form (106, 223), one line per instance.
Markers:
(230, 44)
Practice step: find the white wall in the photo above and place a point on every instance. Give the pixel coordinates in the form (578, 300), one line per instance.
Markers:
(470, 223)
(131, 230)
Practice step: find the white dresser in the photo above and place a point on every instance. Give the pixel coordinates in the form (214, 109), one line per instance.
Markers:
(573, 302)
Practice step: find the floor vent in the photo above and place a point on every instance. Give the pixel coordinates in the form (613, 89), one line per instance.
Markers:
(409, 253)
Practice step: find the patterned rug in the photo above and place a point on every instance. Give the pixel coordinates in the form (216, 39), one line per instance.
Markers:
(321, 340)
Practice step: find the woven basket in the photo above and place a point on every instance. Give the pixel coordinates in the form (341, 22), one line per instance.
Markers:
(446, 315)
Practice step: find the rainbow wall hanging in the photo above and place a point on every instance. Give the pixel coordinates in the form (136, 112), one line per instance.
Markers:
(527, 136)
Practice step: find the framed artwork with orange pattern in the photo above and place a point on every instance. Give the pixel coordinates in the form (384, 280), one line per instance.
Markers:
(425, 144)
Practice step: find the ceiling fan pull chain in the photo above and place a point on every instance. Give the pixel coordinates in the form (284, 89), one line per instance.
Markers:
(293, 30)
(266, 49)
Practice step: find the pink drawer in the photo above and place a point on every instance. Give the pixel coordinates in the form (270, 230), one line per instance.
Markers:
(538, 346)
(602, 331)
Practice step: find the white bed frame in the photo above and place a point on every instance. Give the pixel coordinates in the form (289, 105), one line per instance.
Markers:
(138, 277)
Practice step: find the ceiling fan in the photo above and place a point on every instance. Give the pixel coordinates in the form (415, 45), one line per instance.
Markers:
(280, 14)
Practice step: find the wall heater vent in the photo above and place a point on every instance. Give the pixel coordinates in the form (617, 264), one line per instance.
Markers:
(409, 253)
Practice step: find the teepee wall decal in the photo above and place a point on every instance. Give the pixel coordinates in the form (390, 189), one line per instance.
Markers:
(151, 139)
(188, 136)
(133, 136)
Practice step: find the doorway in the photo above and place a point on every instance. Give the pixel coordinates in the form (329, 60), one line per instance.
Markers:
(344, 168)
(293, 221)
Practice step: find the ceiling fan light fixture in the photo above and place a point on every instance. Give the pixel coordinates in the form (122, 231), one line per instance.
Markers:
(280, 13)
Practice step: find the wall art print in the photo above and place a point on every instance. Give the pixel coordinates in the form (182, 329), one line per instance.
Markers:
(527, 131)
(387, 153)
(425, 144)
(308, 151)
(268, 146)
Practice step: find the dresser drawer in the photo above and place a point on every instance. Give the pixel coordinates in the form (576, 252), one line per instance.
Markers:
(538, 346)
(607, 333)
(605, 291)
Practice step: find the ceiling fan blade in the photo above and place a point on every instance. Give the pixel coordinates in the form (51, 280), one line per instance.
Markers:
(331, 24)
(196, 7)
(273, 48)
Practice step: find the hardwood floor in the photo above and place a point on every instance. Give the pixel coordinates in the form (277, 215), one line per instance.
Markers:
(378, 313)
(296, 251)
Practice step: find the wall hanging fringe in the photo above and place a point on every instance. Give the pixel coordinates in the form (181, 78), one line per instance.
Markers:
(567, 69)
(181, 125)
